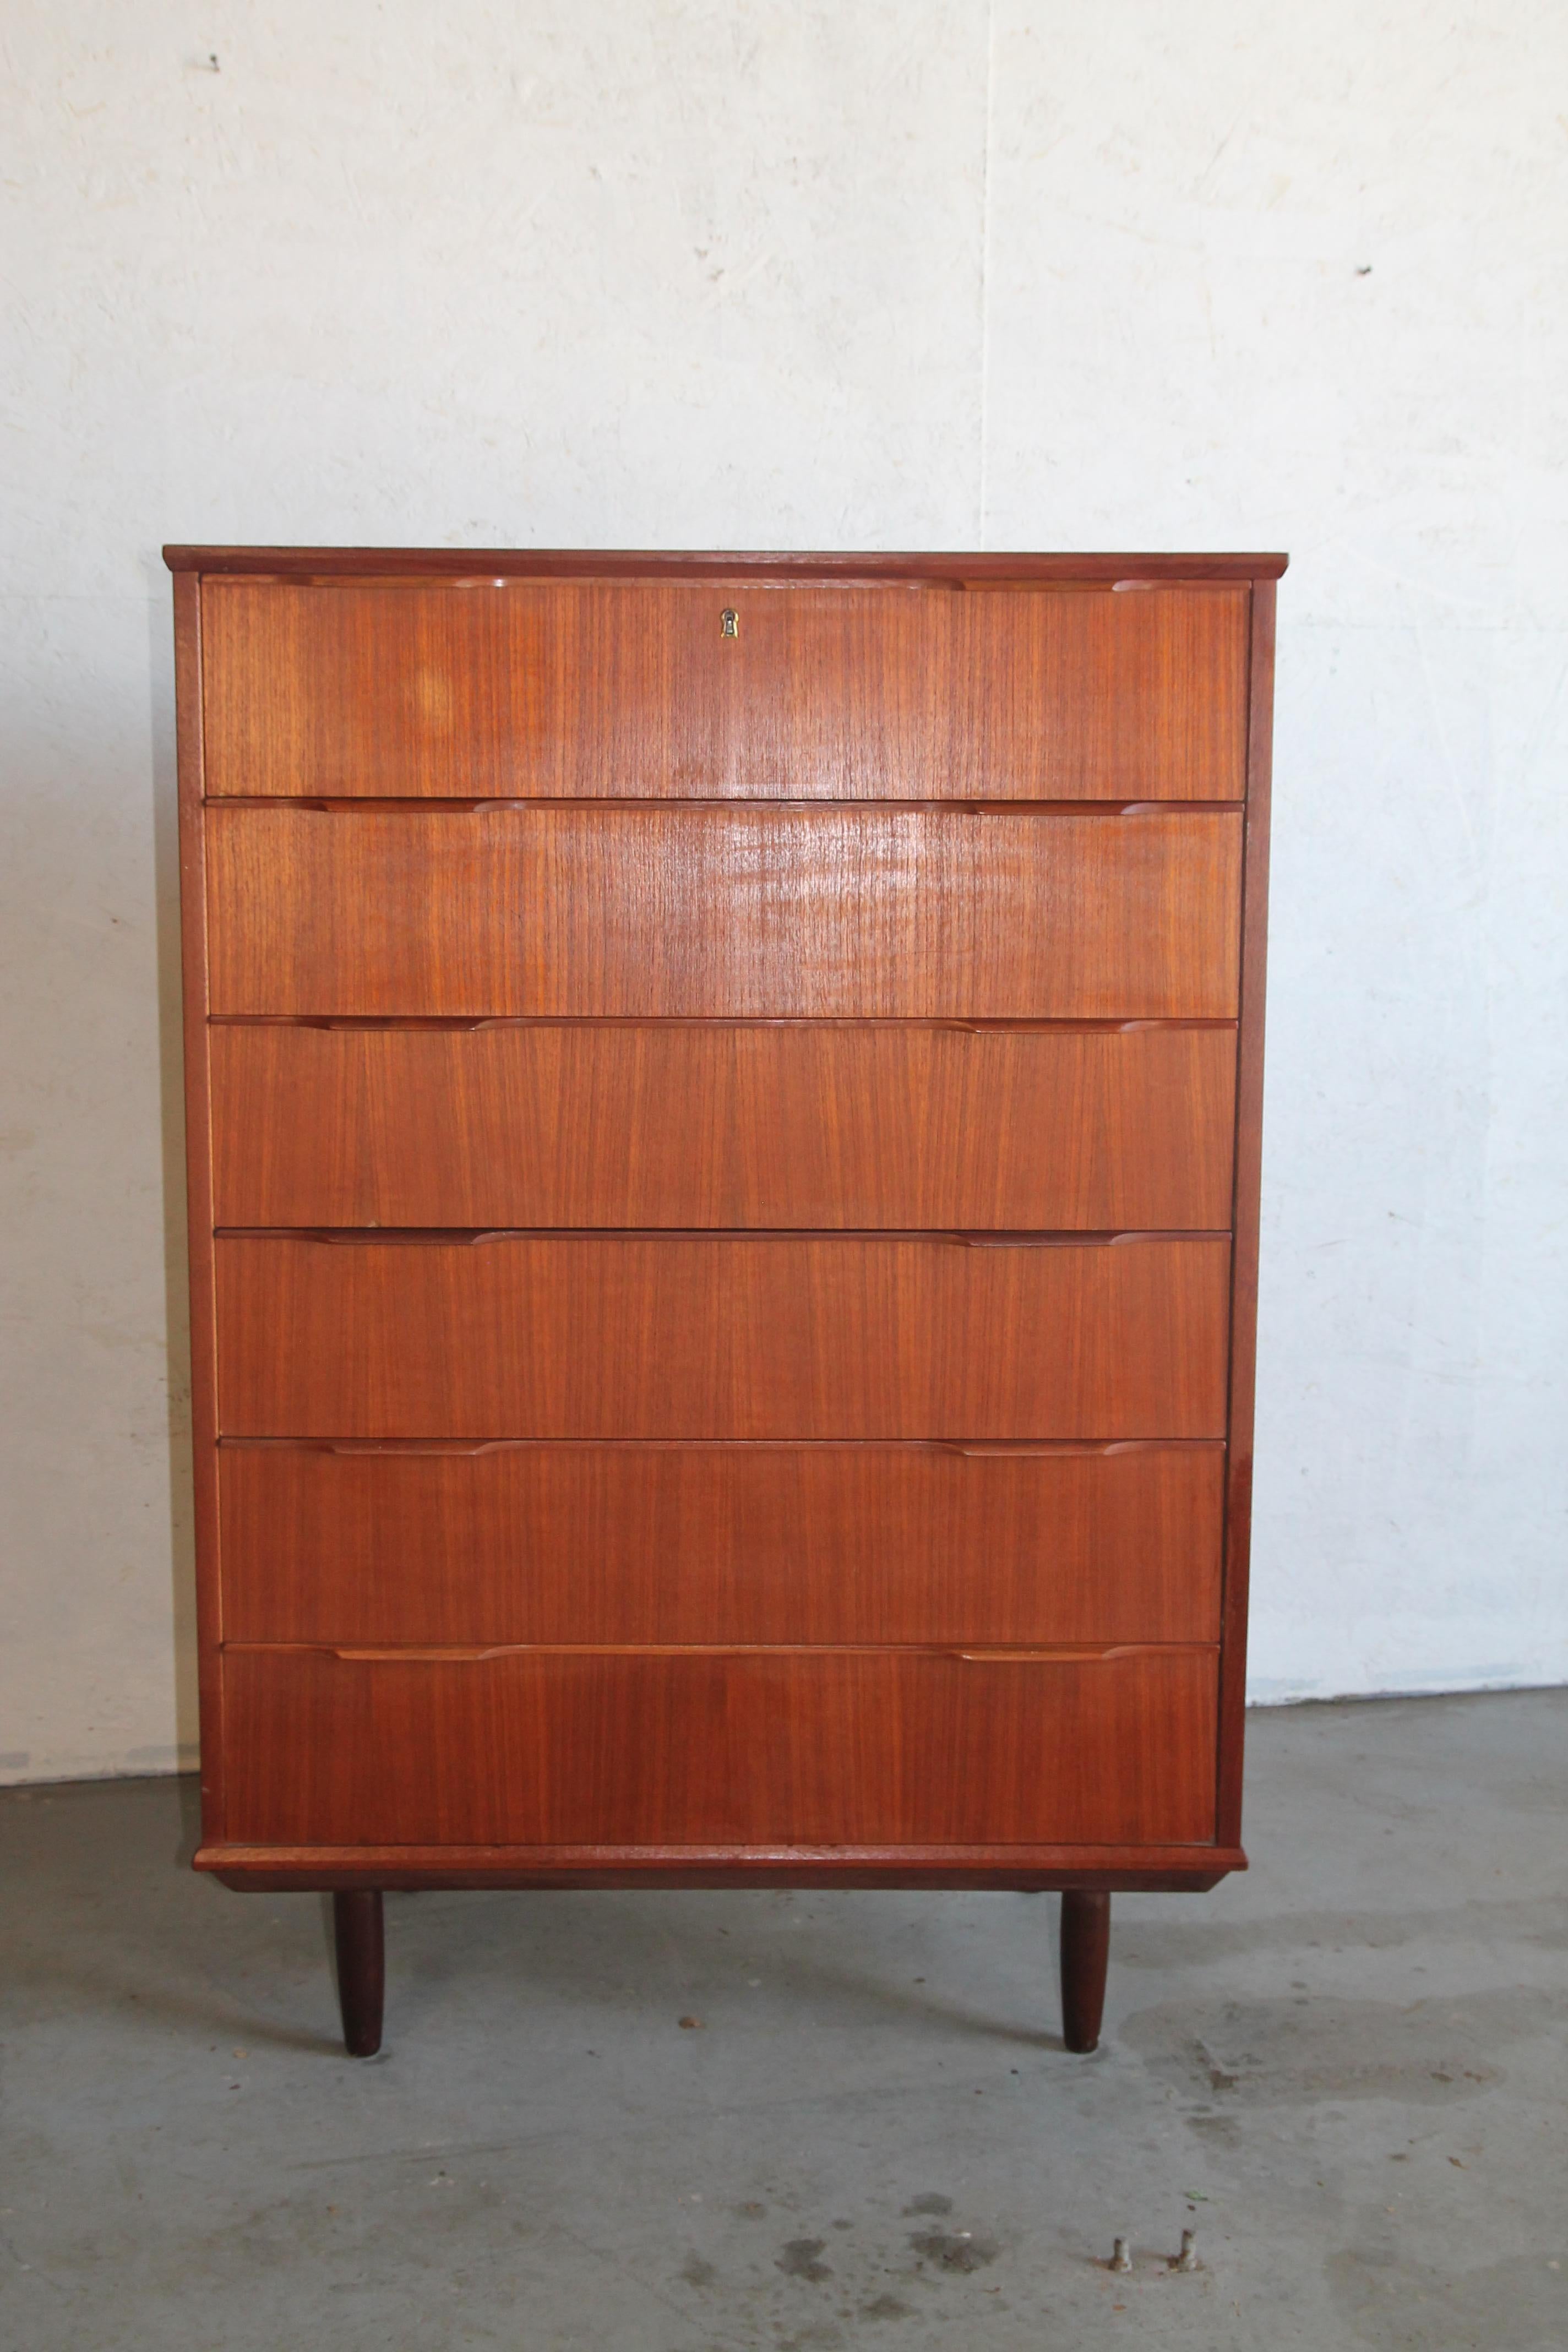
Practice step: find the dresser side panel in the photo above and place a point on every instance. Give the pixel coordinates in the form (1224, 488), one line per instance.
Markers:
(1245, 1215)
(199, 1192)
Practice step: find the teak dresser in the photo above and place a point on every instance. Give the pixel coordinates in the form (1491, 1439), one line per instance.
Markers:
(723, 1109)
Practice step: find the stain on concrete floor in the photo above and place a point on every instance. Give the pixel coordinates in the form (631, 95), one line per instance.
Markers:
(1297, 2047)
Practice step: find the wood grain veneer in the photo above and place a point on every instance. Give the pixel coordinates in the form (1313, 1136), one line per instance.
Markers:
(662, 1335)
(569, 1124)
(682, 1542)
(592, 688)
(675, 912)
(801, 1746)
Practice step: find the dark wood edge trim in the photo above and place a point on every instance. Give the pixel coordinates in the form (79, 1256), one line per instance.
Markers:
(369, 1023)
(737, 805)
(199, 1190)
(236, 1854)
(1245, 1215)
(304, 1870)
(974, 1651)
(953, 570)
(775, 805)
(389, 1879)
(936, 1236)
(970, 1448)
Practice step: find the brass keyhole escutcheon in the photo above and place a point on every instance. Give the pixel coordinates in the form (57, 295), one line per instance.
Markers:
(729, 622)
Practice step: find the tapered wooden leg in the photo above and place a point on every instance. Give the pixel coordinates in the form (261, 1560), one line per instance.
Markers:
(361, 1969)
(1086, 1949)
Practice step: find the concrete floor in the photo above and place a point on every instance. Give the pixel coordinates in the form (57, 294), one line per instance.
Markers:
(1346, 2070)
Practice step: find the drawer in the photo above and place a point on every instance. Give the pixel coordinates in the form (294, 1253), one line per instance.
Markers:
(683, 913)
(627, 690)
(771, 1748)
(663, 1335)
(607, 1543)
(569, 1124)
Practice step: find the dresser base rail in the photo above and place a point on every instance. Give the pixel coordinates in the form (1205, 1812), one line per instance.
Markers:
(1028, 1870)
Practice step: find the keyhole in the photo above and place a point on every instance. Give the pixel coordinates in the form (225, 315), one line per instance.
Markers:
(729, 622)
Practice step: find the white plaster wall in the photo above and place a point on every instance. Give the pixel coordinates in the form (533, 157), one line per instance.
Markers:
(774, 272)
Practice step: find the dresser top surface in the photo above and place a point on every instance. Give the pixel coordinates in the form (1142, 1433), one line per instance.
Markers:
(938, 569)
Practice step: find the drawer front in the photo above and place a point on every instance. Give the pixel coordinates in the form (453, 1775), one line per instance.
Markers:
(562, 1543)
(659, 1336)
(772, 1748)
(569, 1125)
(683, 913)
(614, 689)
